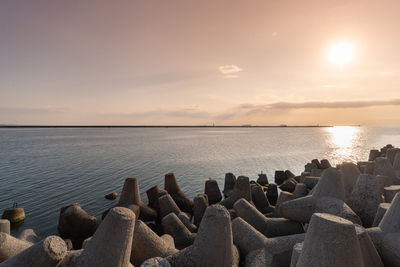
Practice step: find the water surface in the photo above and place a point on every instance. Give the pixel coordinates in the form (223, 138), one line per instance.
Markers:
(44, 169)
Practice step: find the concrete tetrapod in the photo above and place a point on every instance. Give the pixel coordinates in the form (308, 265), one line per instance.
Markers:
(249, 240)
(272, 194)
(200, 206)
(390, 222)
(5, 226)
(47, 253)
(211, 189)
(297, 248)
(390, 192)
(396, 163)
(147, 244)
(391, 154)
(229, 184)
(29, 235)
(365, 199)
(213, 245)
(390, 250)
(300, 190)
(270, 227)
(370, 255)
(383, 167)
(131, 195)
(301, 209)
(320, 247)
(167, 205)
(240, 190)
(173, 188)
(373, 154)
(153, 194)
(173, 226)
(382, 208)
(187, 222)
(156, 262)
(76, 224)
(111, 244)
(350, 173)
(260, 200)
(11, 246)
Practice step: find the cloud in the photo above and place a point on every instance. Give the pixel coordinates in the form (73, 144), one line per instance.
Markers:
(255, 108)
(229, 69)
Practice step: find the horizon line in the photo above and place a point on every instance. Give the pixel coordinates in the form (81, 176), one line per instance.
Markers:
(166, 126)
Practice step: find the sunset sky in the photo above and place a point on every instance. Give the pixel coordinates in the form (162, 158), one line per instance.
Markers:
(200, 62)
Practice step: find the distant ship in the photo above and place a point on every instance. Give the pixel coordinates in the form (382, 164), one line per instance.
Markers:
(283, 125)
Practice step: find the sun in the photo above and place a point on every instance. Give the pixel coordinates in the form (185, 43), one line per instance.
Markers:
(341, 54)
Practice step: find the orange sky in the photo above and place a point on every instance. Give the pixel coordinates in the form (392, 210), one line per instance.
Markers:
(198, 62)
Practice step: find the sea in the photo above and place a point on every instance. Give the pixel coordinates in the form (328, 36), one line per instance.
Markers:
(44, 169)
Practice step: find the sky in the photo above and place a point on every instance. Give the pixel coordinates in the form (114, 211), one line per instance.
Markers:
(131, 62)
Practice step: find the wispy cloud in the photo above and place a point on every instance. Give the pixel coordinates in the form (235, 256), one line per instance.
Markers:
(321, 104)
(229, 71)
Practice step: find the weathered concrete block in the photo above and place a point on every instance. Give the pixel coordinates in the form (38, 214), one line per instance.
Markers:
(316, 172)
(211, 189)
(270, 227)
(272, 194)
(325, 164)
(167, 205)
(391, 154)
(153, 194)
(260, 200)
(240, 190)
(47, 253)
(311, 181)
(174, 227)
(280, 177)
(350, 173)
(147, 244)
(111, 244)
(391, 249)
(131, 195)
(297, 248)
(230, 181)
(300, 190)
(200, 206)
(390, 222)
(373, 154)
(262, 179)
(156, 262)
(390, 192)
(76, 224)
(383, 167)
(213, 245)
(183, 217)
(365, 198)
(324, 233)
(370, 255)
(382, 208)
(288, 185)
(29, 235)
(173, 188)
(278, 249)
(5, 226)
(11, 246)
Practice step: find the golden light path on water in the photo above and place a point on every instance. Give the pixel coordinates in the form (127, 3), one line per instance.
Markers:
(344, 142)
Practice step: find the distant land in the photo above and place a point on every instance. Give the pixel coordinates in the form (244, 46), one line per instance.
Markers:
(161, 126)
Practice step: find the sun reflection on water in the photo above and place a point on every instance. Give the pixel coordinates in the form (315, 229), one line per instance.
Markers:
(344, 141)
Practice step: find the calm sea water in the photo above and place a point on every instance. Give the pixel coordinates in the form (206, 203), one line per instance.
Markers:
(44, 169)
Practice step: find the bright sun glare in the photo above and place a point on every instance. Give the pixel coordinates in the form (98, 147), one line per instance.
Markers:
(341, 54)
